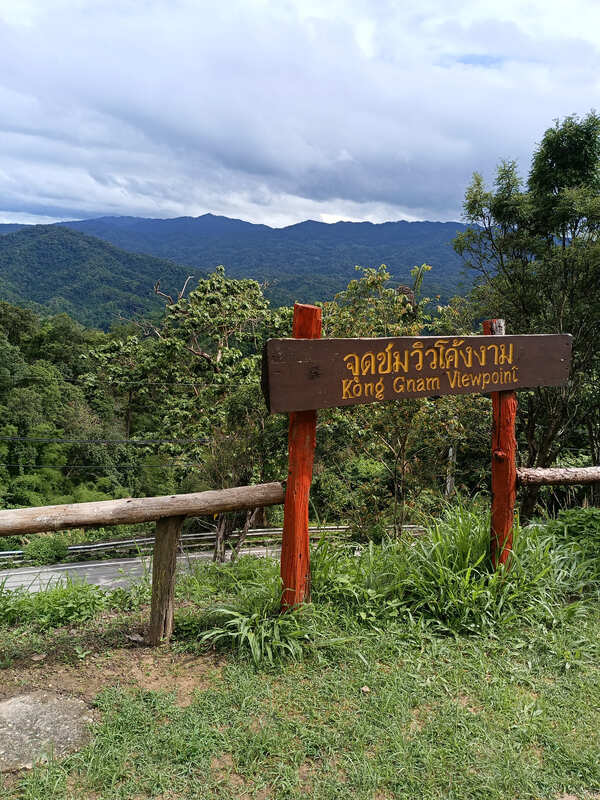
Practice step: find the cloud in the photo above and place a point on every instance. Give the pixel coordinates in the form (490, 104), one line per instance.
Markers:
(274, 111)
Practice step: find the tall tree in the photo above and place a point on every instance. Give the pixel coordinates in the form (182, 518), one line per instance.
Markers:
(537, 251)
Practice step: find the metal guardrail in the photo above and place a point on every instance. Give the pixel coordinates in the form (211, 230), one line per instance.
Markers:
(190, 539)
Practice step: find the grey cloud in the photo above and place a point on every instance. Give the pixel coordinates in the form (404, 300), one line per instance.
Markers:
(179, 108)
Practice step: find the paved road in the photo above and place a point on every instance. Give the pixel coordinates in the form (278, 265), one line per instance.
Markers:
(108, 574)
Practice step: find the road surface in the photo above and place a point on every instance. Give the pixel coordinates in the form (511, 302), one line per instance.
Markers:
(107, 574)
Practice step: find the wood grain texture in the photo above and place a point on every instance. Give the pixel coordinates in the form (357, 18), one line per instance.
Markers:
(295, 554)
(555, 476)
(504, 474)
(138, 509)
(305, 374)
(164, 562)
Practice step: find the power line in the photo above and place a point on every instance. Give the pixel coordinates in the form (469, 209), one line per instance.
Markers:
(100, 441)
(106, 466)
(75, 382)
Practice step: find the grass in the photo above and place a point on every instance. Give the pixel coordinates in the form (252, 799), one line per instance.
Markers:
(419, 674)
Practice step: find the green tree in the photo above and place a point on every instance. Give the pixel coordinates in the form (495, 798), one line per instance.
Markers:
(536, 249)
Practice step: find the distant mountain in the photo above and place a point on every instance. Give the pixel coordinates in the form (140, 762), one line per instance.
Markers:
(307, 262)
(93, 281)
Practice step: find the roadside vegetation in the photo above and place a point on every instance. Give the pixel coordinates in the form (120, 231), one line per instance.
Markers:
(415, 671)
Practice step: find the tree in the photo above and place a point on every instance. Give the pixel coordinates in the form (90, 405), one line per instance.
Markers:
(537, 252)
(194, 376)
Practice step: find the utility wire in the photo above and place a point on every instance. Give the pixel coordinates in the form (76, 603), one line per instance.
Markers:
(100, 441)
(105, 466)
(75, 382)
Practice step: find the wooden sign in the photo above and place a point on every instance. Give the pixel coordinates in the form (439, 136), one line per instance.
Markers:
(303, 374)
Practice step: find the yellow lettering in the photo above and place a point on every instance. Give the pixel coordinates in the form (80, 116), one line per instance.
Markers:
(352, 363)
(346, 384)
(398, 384)
(411, 385)
(453, 378)
(433, 383)
(486, 379)
(380, 389)
(369, 390)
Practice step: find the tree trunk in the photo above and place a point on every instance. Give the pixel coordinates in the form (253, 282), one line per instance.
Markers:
(224, 528)
(450, 469)
(249, 522)
(529, 500)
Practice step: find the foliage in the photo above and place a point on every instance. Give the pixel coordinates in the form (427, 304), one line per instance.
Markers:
(45, 550)
(59, 605)
(578, 529)
(69, 602)
(446, 576)
(537, 253)
(56, 269)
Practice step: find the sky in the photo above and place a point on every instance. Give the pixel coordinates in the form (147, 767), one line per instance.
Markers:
(280, 111)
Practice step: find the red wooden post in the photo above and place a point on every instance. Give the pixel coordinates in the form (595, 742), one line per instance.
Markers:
(295, 557)
(504, 470)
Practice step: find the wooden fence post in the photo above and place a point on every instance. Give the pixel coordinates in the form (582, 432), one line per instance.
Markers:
(295, 554)
(164, 562)
(504, 470)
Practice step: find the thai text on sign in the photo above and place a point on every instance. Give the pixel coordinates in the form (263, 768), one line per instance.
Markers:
(303, 374)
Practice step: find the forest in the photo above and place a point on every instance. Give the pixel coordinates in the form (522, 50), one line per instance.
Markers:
(171, 401)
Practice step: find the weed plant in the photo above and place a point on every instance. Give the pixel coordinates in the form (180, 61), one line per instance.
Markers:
(66, 603)
(446, 576)
(251, 622)
(443, 581)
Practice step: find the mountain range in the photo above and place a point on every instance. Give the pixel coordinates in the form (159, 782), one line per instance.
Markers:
(99, 268)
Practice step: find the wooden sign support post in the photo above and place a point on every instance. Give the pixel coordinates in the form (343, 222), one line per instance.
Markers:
(295, 555)
(504, 469)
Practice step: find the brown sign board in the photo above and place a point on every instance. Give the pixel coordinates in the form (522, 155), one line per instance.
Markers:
(303, 374)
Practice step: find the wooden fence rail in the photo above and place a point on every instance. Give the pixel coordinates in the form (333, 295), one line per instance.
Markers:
(553, 476)
(15, 521)
(169, 512)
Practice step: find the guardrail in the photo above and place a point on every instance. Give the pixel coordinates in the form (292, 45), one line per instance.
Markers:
(191, 539)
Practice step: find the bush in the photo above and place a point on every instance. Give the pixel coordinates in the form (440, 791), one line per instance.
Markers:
(252, 624)
(578, 531)
(10, 543)
(446, 576)
(45, 550)
(59, 605)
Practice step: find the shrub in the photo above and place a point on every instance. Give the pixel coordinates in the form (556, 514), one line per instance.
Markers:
(45, 550)
(577, 531)
(446, 576)
(67, 603)
(252, 624)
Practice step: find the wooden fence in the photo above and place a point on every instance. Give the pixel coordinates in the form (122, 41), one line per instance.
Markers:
(168, 512)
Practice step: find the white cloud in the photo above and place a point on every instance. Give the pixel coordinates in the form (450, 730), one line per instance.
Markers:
(274, 111)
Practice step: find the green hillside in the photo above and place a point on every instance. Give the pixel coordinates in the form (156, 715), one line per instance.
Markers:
(95, 282)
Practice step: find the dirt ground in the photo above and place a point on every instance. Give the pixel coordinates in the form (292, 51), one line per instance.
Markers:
(121, 667)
